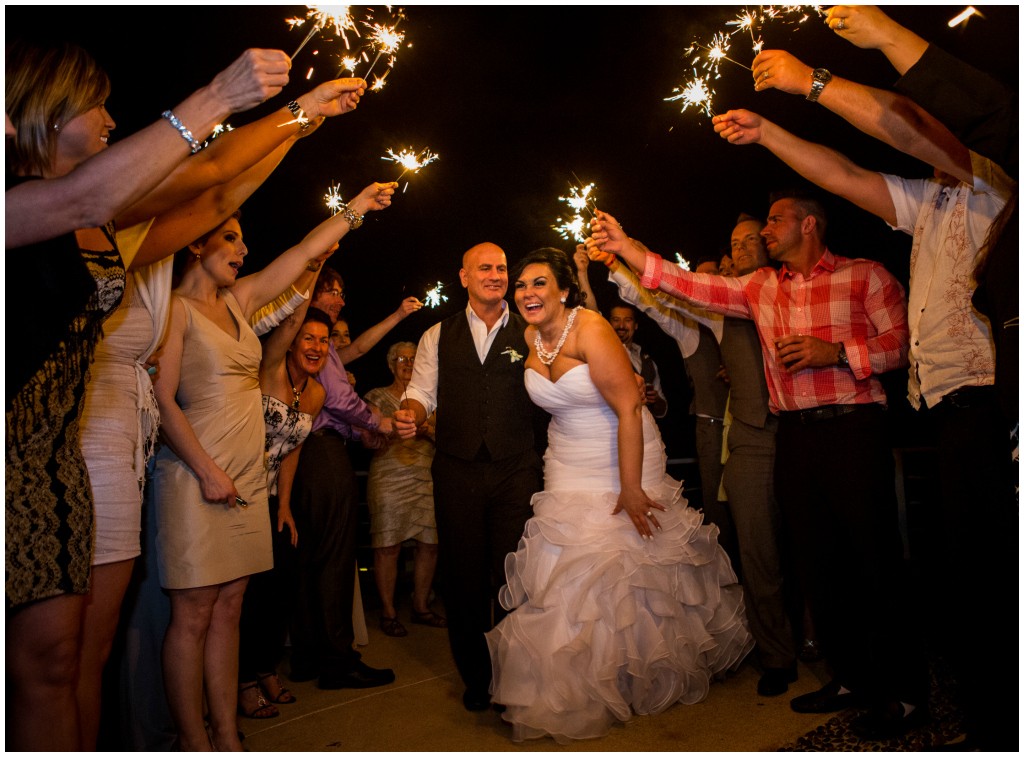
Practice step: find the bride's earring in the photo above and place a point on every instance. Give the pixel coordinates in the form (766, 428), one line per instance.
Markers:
(562, 300)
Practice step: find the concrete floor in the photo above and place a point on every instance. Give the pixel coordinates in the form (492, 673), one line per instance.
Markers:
(422, 711)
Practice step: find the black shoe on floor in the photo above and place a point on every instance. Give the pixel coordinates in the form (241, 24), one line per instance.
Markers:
(775, 681)
(825, 699)
(476, 700)
(360, 676)
(887, 721)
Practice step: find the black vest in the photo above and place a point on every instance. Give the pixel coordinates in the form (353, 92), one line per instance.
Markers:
(744, 361)
(482, 404)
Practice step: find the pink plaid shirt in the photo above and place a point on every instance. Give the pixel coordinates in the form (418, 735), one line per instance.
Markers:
(853, 301)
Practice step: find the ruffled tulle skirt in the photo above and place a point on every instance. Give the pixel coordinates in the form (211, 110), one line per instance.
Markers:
(606, 624)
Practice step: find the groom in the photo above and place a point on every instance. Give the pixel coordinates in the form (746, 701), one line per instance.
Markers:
(486, 468)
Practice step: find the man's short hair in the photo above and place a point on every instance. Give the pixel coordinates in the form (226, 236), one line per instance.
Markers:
(327, 279)
(808, 203)
(621, 304)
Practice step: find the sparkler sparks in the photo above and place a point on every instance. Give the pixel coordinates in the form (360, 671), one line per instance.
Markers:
(575, 229)
(336, 17)
(333, 199)
(580, 198)
(410, 160)
(385, 40)
(695, 93)
(434, 297)
(683, 262)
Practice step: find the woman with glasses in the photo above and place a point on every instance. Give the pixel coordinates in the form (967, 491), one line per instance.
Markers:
(400, 494)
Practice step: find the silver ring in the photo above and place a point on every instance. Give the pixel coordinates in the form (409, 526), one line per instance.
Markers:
(650, 514)
(841, 25)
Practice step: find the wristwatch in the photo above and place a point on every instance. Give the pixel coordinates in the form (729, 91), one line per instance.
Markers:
(841, 359)
(819, 78)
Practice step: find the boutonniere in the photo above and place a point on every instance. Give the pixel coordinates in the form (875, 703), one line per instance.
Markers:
(513, 356)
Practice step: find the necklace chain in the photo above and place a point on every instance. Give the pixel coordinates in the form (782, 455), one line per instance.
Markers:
(296, 393)
(547, 357)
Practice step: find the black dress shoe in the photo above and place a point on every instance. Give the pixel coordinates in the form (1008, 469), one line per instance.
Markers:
(775, 681)
(826, 699)
(476, 700)
(887, 721)
(360, 676)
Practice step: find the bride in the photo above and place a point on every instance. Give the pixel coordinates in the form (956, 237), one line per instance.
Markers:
(622, 601)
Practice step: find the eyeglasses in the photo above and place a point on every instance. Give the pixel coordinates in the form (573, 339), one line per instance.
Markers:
(339, 293)
(405, 360)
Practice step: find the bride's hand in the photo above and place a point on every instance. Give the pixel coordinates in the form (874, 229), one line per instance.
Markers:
(640, 509)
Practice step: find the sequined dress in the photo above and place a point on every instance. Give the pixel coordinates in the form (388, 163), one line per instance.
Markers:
(49, 517)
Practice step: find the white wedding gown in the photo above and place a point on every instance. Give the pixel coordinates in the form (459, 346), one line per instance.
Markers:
(604, 623)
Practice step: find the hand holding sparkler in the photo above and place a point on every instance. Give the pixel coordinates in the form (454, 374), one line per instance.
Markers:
(255, 76)
(405, 423)
(777, 69)
(606, 234)
(740, 127)
(377, 196)
(409, 305)
(332, 98)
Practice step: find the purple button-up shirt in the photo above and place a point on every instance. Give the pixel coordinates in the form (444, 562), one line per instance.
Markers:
(343, 408)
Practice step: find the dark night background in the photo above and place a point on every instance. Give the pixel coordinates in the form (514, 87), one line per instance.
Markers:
(515, 100)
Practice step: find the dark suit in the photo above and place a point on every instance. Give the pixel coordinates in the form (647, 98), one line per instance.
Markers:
(486, 470)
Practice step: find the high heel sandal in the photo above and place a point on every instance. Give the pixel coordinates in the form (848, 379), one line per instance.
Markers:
(284, 695)
(262, 710)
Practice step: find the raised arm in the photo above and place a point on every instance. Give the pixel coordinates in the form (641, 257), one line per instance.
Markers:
(868, 27)
(238, 150)
(582, 261)
(887, 116)
(257, 289)
(366, 341)
(103, 186)
(816, 163)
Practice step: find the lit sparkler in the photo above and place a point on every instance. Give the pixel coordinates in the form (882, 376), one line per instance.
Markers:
(336, 17)
(576, 228)
(386, 39)
(683, 262)
(695, 93)
(434, 297)
(716, 53)
(333, 199)
(348, 63)
(410, 160)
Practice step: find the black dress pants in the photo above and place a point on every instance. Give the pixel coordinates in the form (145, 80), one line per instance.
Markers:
(481, 508)
(835, 483)
(324, 508)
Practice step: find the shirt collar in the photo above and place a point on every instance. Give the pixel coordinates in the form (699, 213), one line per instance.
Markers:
(474, 318)
(826, 263)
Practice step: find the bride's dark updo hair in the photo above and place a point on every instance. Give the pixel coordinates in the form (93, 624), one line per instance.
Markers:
(561, 265)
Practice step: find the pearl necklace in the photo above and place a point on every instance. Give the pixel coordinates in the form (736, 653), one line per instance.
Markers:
(549, 357)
